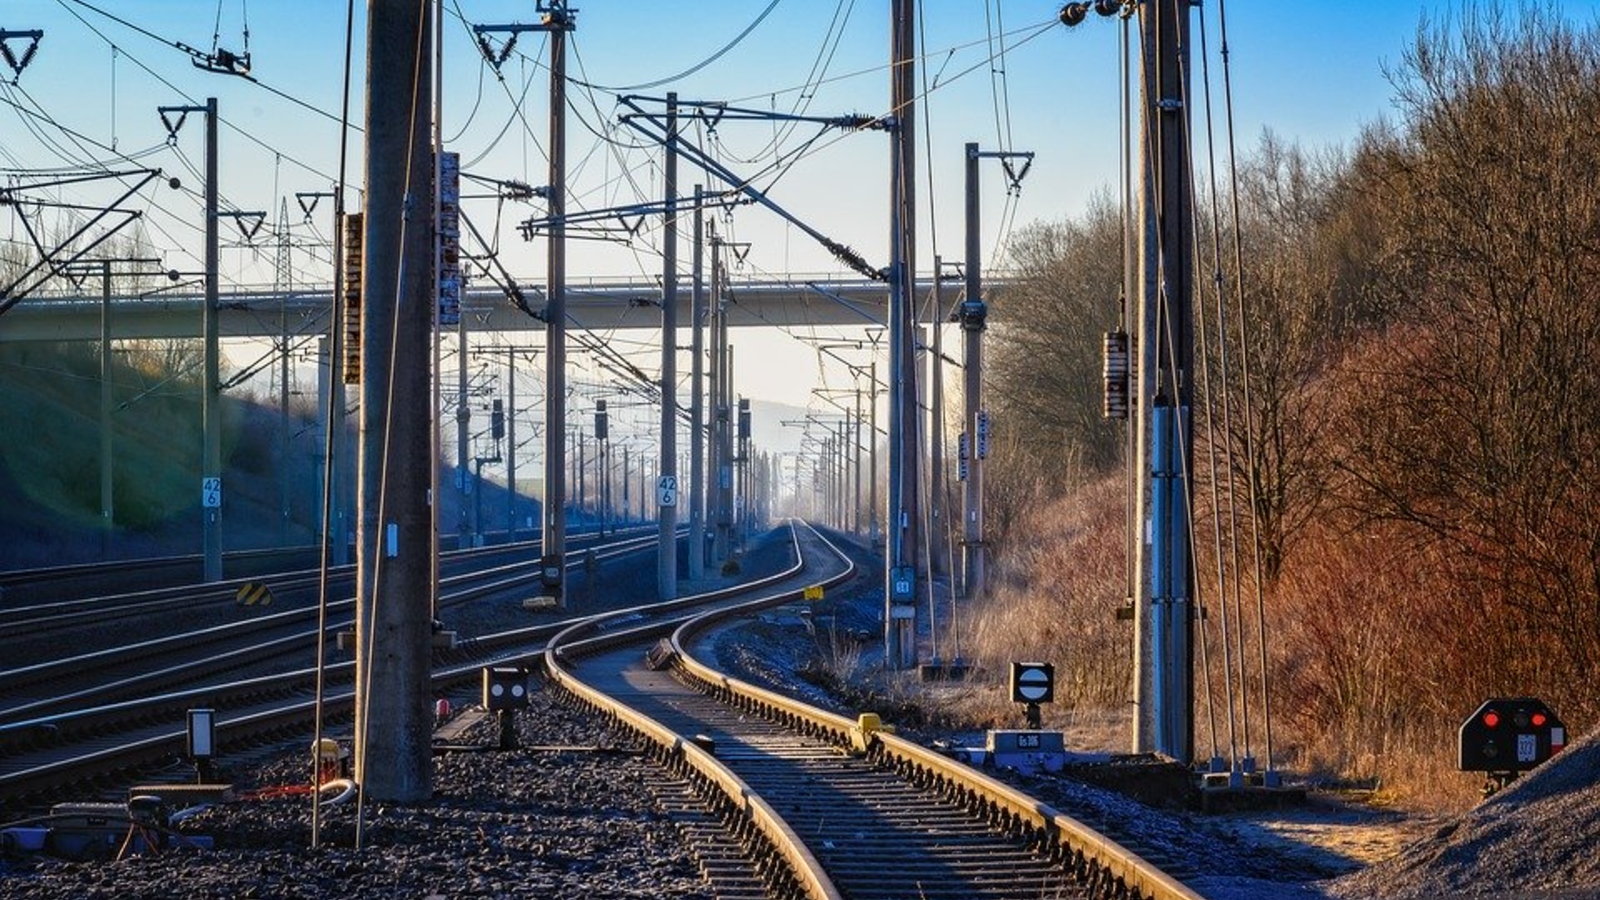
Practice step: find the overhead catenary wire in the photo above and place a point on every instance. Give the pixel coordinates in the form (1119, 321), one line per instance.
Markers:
(1244, 344)
(783, 165)
(331, 425)
(697, 66)
(89, 163)
(186, 221)
(1030, 31)
(820, 75)
(1221, 547)
(192, 53)
(180, 92)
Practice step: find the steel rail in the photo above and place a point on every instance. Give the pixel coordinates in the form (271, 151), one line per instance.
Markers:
(727, 793)
(56, 613)
(468, 586)
(157, 720)
(1110, 868)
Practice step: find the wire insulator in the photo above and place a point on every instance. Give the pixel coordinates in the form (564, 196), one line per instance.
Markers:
(1117, 370)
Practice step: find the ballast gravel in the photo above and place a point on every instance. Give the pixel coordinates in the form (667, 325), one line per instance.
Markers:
(573, 816)
(576, 818)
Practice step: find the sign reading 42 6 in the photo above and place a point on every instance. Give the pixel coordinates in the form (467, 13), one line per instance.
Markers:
(211, 493)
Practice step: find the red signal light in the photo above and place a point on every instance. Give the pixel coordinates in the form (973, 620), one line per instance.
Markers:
(1491, 719)
(1539, 720)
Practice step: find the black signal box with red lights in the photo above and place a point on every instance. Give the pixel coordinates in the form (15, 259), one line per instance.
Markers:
(1510, 735)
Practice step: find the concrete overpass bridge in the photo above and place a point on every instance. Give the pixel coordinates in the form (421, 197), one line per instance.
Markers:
(595, 305)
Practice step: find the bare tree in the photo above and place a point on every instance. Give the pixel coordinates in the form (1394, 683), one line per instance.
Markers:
(1306, 270)
(1479, 432)
(1045, 365)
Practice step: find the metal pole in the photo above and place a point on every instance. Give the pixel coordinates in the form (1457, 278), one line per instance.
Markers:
(744, 508)
(337, 444)
(973, 314)
(394, 602)
(511, 446)
(843, 469)
(477, 502)
(667, 513)
(325, 376)
(463, 433)
(211, 403)
(582, 465)
(559, 22)
(283, 402)
(901, 577)
(107, 514)
(697, 402)
(734, 491)
(719, 409)
(872, 455)
(855, 452)
(936, 473)
(436, 311)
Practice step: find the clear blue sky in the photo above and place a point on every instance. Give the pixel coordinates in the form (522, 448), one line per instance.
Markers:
(1312, 72)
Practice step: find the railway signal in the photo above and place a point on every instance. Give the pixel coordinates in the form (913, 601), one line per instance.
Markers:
(505, 690)
(1033, 683)
(1507, 736)
(202, 741)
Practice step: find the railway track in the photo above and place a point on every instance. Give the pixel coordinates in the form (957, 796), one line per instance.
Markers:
(55, 744)
(79, 723)
(780, 799)
(830, 807)
(25, 587)
(167, 661)
(63, 598)
(44, 586)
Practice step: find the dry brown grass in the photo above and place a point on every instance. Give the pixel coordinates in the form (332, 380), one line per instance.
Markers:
(1369, 662)
(1054, 596)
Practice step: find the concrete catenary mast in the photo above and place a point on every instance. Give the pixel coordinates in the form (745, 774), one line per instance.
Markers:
(395, 591)
(1164, 619)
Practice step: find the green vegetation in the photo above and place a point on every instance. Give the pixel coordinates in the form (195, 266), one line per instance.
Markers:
(50, 456)
(1424, 328)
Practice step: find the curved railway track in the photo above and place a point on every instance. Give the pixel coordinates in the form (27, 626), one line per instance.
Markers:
(781, 799)
(836, 808)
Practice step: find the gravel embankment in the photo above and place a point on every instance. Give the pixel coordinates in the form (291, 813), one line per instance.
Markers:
(1539, 838)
